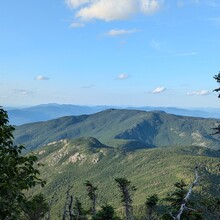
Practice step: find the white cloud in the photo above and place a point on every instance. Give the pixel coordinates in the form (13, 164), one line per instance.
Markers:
(41, 78)
(149, 7)
(159, 90)
(77, 25)
(77, 3)
(199, 93)
(22, 92)
(122, 76)
(115, 32)
(109, 10)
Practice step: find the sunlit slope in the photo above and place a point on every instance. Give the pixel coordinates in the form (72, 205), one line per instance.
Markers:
(72, 162)
(119, 127)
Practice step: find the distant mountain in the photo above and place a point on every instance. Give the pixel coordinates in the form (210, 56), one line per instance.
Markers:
(48, 111)
(19, 116)
(126, 129)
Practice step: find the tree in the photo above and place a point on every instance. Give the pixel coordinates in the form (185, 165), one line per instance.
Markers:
(126, 190)
(151, 203)
(92, 195)
(180, 205)
(78, 210)
(17, 172)
(69, 204)
(107, 212)
(217, 78)
(36, 208)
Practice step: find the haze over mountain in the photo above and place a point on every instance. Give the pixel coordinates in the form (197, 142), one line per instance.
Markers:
(46, 112)
(128, 129)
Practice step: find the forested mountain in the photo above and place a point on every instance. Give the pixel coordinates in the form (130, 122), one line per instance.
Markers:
(154, 150)
(127, 129)
(153, 171)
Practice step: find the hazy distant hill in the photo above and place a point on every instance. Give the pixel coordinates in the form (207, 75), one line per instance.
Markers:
(72, 162)
(48, 111)
(127, 129)
(51, 111)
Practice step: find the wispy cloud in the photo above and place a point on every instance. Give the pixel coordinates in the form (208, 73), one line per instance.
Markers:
(115, 32)
(155, 45)
(198, 93)
(181, 54)
(210, 3)
(41, 78)
(122, 76)
(109, 10)
(77, 25)
(159, 89)
(77, 3)
(214, 20)
(22, 92)
(182, 3)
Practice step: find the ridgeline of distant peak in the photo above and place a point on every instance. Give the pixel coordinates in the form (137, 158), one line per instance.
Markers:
(46, 112)
(126, 129)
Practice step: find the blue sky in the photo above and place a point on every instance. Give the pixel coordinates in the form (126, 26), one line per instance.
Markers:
(109, 52)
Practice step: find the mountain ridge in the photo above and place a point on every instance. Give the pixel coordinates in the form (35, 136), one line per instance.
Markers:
(72, 162)
(45, 112)
(113, 126)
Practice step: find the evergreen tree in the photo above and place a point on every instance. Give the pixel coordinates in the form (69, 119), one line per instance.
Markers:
(217, 78)
(176, 199)
(79, 212)
(126, 194)
(92, 195)
(151, 204)
(107, 212)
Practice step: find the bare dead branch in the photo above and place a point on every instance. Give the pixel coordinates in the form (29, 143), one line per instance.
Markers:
(185, 200)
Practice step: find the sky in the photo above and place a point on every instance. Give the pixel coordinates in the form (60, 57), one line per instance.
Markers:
(109, 52)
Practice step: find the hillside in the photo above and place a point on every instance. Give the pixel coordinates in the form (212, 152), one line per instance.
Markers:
(72, 162)
(128, 129)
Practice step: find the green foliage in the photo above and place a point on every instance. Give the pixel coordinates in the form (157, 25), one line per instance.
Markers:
(17, 172)
(127, 129)
(92, 195)
(107, 212)
(151, 205)
(36, 208)
(217, 78)
(175, 200)
(126, 196)
(151, 170)
(78, 210)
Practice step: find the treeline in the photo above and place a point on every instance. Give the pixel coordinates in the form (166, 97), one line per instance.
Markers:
(181, 203)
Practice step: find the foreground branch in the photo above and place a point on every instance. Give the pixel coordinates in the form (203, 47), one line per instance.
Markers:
(185, 200)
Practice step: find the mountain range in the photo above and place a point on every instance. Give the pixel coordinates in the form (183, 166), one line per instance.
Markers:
(152, 149)
(127, 129)
(46, 112)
